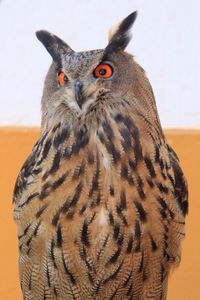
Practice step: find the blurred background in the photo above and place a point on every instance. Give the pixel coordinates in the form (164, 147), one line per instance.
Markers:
(165, 42)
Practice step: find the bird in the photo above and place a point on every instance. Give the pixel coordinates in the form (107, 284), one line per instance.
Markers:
(100, 202)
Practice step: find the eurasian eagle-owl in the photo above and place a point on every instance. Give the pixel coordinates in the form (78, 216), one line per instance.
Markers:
(100, 202)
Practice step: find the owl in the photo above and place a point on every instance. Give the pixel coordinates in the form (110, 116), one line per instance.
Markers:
(100, 203)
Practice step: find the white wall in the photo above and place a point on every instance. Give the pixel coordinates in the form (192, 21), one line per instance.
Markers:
(166, 42)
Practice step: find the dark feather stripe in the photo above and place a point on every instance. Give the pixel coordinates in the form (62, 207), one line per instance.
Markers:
(71, 276)
(61, 137)
(29, 199)
(141, 211)
(113, 275)
(85, 234)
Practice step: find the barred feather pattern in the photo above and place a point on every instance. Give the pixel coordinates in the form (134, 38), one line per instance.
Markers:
(100, 210)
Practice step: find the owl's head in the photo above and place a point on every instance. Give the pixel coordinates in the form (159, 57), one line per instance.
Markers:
(77, 81)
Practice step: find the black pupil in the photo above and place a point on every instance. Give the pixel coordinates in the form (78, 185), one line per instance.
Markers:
(102, 71)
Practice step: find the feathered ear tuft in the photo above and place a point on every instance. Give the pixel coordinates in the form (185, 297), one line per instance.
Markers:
(119, 36)
(54, 45)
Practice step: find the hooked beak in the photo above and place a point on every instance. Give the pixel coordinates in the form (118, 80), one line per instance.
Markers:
(78, 92)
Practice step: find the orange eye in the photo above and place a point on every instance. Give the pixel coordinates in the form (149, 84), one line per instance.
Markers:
(103, 71)
(62, 78)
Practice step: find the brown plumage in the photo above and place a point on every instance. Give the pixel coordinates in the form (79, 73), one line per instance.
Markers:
(101, 201)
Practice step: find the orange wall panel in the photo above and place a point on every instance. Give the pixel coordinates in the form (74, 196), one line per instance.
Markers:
(16, 144)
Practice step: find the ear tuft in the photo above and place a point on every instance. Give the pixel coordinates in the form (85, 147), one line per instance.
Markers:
(54, 45)
(119, 36)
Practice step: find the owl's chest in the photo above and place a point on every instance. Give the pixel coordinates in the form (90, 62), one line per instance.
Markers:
(91, 207)
(89, 199)
(89, 186)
